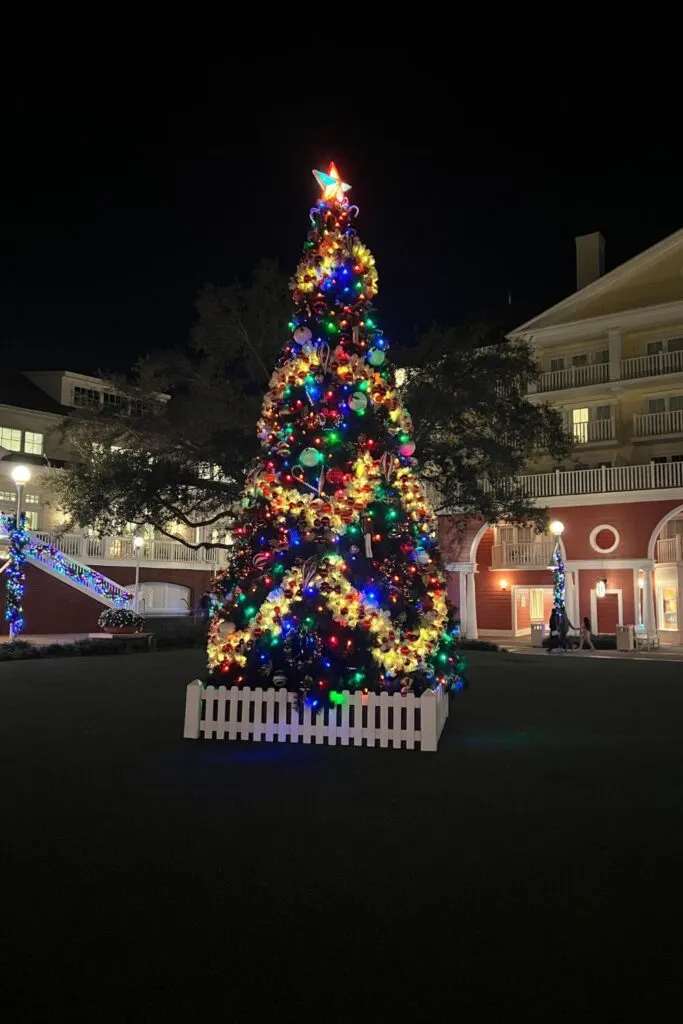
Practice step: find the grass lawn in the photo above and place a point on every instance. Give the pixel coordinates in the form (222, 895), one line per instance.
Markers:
(534, 862)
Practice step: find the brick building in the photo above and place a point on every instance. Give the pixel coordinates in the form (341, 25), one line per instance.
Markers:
(612, 360)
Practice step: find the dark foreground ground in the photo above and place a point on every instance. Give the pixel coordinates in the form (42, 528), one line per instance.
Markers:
(533, 864)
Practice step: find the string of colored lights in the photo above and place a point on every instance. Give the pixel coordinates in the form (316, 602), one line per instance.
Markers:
(81, 574)
(558, 579)
(15, 576)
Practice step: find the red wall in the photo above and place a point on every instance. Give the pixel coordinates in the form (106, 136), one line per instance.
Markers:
(523, 612)
(51, 606)
(617, 579)
(634, 521)
(494, 606)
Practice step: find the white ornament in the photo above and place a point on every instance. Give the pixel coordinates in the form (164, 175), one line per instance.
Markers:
(302, 335)
(310, 457)
(358, 401)
(421, 556)
(376, 357)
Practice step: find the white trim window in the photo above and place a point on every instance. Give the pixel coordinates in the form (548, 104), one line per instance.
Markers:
(33, 442)
(666, 345)
(10, 438)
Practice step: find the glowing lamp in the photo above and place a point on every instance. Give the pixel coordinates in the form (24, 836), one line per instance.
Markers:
(641, 582)
(557, 528)
(503, 584)
(138, 542)
(21, 474)
(601, 588)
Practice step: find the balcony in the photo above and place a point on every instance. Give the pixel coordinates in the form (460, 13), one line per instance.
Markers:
(658, 424)
(120, 549)
(652, 366)
(522, 555)
(573, 377)
(593, 431)
(669, 549)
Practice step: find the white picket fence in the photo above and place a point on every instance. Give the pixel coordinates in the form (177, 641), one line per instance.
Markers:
(371, 720)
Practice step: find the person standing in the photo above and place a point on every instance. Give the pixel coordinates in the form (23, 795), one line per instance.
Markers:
(585, 636)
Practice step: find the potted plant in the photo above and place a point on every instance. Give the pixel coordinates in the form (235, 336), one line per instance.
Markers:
(121, 620)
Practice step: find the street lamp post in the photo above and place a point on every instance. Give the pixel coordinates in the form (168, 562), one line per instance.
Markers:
(138, 543)
(21, 476)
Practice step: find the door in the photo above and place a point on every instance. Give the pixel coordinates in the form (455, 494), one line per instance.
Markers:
(608, 612)
(522, 612)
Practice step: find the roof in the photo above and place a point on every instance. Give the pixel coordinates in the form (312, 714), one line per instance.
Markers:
(570, 308)
(18, 390)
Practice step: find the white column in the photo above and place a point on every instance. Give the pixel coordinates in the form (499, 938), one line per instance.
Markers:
(571, 597)
(472, 631)
(614, 355)
(637, 613)
(649, 618)
(463, 603)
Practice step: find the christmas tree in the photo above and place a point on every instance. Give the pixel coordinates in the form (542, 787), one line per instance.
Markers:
(334, 582)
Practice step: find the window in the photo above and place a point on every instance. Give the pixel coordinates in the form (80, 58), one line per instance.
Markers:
(536, 604)
(113, 402)
(604, 465)
(668, 607)
(655, 347)
(86, 398)
(676, 402)
(675, 345)
(33, 443)
(32, 519)
(10, 439)
(602, 356)
(580, 425)
(8, 497)
(32, 499)
(557, 364)
(656, 405)
(581, 360)
(603, 412)
(677, 458)
(658, 459)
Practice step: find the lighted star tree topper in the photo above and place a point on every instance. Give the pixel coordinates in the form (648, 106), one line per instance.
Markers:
(334, 581)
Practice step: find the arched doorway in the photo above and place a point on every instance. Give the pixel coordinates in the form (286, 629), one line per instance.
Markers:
(666, 550)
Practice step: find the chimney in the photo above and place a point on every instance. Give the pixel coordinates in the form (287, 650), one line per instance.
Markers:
(590, 259)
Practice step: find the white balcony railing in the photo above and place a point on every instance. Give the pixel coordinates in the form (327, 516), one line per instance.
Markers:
(522, 554)
(114, 549)
(573, 377)
(651, 366)
(650, 476)
(593, 430)
(658, 424)
(669, 549)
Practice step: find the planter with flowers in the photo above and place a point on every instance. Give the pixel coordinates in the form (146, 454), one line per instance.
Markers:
(121, 620)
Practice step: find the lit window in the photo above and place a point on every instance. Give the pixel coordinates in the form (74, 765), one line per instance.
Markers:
(32, 499)
(31, 520)
(580, 425)
(536, 604)
(10, 439)
(33, 443)
(8, 497)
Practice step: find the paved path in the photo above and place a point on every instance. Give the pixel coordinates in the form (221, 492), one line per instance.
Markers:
(532, 864)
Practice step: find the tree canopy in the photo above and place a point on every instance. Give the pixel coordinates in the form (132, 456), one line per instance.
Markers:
(179, 450)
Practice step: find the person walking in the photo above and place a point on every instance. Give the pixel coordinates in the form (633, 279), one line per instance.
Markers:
(585, 636)
(553, 639)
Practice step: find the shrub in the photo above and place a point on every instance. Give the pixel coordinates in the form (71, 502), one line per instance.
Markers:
(113, 618)
(463, 644)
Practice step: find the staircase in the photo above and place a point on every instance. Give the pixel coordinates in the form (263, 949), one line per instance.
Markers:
(75, 574)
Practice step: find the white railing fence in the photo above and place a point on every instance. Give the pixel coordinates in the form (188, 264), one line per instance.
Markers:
(535, 554)
(371, 720)
(652, 366)
(656, 424)
(650, 476)
(573, 377)
(107, 549)
(669, 549)
(63, 564)
(593, 430)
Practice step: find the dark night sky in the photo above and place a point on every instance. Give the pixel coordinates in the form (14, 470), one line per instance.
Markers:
(128, 185)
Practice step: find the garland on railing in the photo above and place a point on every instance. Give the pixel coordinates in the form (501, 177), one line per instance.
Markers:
(14, 574)
(79, 573)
